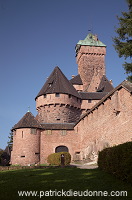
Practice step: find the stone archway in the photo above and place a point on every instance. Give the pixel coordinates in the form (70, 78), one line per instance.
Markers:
(61, 149)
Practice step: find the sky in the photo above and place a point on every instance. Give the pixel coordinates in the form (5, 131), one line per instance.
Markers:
(36, 36)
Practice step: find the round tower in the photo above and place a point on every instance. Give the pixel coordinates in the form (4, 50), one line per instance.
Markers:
(90, 57)
(58, 101)
(26, 141)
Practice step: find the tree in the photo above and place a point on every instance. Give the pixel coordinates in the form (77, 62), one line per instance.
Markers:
(10, 142)
(123, 42)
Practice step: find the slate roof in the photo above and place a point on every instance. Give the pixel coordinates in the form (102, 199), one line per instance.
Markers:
(27, 121)
(56, 126)
(76, 80)
(105, 85)
(58, 83)
(92, 95)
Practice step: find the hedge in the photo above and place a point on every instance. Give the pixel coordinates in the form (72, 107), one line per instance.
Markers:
(55, 158)
(117, 160)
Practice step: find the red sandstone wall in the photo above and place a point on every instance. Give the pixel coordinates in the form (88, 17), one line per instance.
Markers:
(91, 63)
(25, 144)
(110, 123)
(58, 109)
(50, 140)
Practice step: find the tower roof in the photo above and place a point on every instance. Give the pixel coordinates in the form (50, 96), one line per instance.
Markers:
(91, 40)
(105, 85)
(58, 83)
(76, 80)
(27, 121)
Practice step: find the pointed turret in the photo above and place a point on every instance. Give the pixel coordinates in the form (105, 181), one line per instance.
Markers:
(58, 101)
(27, 121)
(58, 83)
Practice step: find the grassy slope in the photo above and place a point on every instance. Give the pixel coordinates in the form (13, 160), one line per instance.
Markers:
(58, 178)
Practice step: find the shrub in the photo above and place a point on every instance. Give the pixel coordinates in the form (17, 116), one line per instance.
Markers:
(118, 161)
(55, 158)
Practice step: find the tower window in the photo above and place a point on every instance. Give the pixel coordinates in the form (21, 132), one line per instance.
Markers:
(49, 132)
(33, 131)
(57, 94)
(89, 101)
(63, 132)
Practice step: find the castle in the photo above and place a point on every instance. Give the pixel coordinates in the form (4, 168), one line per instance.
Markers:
(80, 116)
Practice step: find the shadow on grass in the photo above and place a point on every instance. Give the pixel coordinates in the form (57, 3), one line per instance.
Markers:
(56, 179)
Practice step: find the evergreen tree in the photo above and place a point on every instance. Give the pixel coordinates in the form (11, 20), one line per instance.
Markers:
(123, 42)
(10, 142)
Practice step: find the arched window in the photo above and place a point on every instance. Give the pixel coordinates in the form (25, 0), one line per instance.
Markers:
(61, 149)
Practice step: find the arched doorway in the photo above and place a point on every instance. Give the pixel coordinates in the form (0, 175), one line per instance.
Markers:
(61, 149)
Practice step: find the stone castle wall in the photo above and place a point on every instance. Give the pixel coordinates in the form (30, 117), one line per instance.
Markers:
(50, 139)
(26, 147)
(52, 109)
(108, 124)
(91, 65)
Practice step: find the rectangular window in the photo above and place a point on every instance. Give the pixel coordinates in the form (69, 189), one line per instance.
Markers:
(70, 96)
(63, 132)
(44, 95)
(22, 156)
(57, 94)
(22, 134)
(33, 131)
(89, 101)
(49, 132)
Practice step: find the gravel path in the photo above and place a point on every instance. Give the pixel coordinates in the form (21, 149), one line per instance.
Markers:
(85, 166)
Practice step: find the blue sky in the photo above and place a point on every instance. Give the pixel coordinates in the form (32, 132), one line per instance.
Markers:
(36, 36)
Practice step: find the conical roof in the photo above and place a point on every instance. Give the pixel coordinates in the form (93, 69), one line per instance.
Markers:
(27, 121)
(58, 83)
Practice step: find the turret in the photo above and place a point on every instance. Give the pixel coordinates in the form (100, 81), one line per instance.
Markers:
(58, 101)
(90, 57)
(26, 141)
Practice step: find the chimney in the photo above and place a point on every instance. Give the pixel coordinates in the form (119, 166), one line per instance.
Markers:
(73, 76)
(111, 82)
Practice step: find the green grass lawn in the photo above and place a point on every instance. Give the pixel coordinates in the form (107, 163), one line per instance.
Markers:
(57, 179)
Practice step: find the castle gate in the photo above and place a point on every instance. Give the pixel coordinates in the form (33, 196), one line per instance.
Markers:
(61, 149)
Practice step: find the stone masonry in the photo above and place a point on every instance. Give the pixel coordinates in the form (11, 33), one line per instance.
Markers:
(82, 115)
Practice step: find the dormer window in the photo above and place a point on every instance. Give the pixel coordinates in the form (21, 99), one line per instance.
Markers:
(57, 94)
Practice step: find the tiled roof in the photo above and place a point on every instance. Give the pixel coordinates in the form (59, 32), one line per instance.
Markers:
(27, 121)
(52, 126)
(92, 95)
(76, 80)
(105, 85)
(58, 83)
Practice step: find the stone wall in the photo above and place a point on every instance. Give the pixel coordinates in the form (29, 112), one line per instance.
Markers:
(109, 124)
(52, 109)
(91, 66)
(50, 139)
(26, 147)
